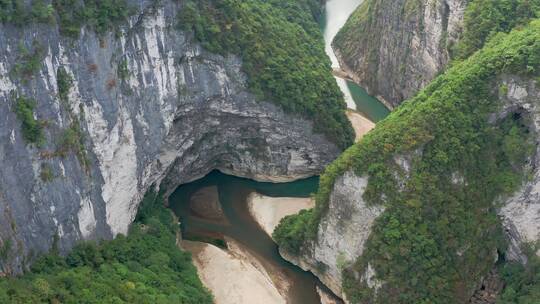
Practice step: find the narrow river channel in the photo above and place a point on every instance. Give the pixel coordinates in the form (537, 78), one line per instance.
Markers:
(241, 227)
(336, 14)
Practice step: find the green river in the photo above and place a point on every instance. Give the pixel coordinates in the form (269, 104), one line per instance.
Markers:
(233, 191)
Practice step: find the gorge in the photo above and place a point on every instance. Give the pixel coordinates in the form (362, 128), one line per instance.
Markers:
(336, 14)
(233, 197)
(114, 113)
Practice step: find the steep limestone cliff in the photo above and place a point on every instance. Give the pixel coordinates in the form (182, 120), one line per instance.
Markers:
(395, 48)
(342, 232)
(146, 104)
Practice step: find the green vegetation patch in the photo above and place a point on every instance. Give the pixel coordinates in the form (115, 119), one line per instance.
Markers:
(101, 15)
(32, 129)
(123, 70)
(29, 60)
(294, 230)
(283, 55)
(522, 283)
(64, 82)
(46, 173)
(145, 267)
(72, 140)
(439, 232)
(20, 12)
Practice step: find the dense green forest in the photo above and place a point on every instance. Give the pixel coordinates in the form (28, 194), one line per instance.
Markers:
(283, 55)
(430, 217)
(144, 267)
(485, 18)
(70, 15)
(32, 129)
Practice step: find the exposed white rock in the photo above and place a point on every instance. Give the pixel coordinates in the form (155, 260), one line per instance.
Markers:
(516, 92)
(370, 279)
(521, 219)
(51, 73)
(62, 169)
(457, 178)
(403, 162)
(87, 219)
(6, 86)
(12, 137)
(346, 227)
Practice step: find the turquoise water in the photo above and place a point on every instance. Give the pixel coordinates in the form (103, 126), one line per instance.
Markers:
(233, 193)
(370, 106)
(336, 14)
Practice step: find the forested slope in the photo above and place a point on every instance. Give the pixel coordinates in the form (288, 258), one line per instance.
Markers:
(438, 165)
(144, 267)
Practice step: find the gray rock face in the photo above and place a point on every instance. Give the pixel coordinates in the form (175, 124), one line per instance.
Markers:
(521, 212)
(342, 233)
(395, 48)
(178, 113)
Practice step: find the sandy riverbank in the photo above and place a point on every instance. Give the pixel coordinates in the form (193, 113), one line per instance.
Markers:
(268, 211)
(234, 276)
(360, 124)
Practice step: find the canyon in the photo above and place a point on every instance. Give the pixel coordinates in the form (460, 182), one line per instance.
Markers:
(432, 203)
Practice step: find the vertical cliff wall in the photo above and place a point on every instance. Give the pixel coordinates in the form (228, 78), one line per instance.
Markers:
(395, 48)
(119, 112)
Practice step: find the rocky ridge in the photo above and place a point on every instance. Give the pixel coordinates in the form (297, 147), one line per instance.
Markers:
(341, 234)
